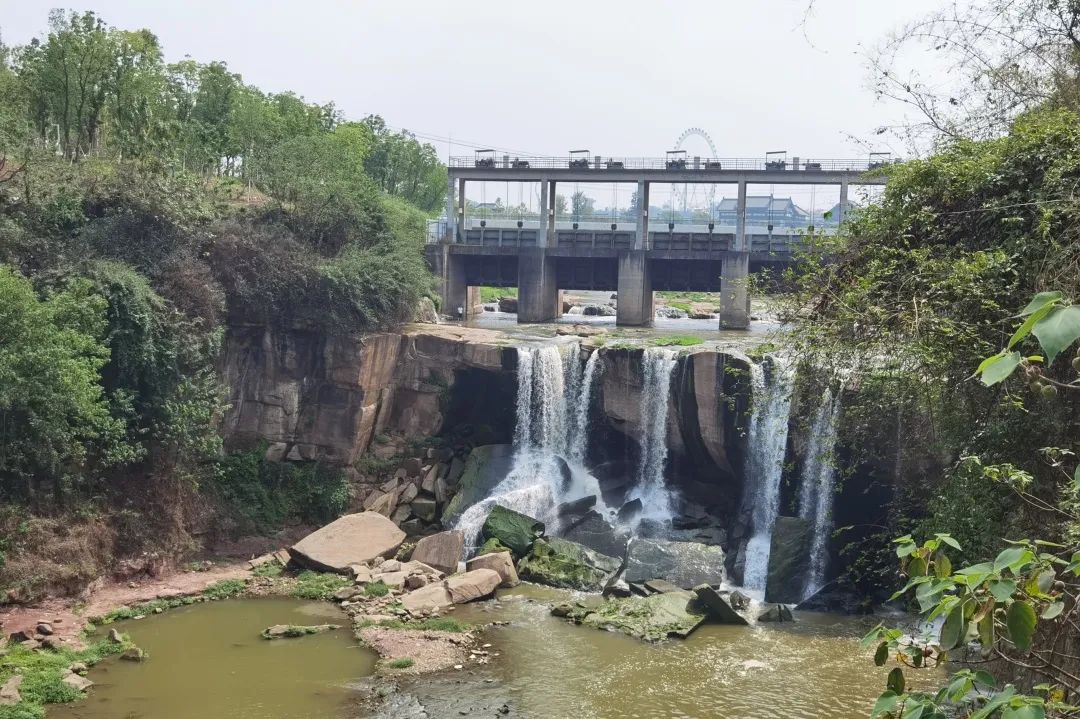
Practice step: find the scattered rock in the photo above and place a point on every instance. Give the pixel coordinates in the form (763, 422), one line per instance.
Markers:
(501, 562)
(653, 618)
(76, 682)
(561, 563)
(717, 606)
(293, 631)
(738, 600)
(516, 531)
(352, 539)
(45, 629)
(426, 508)
(686, 564)
(441, 551)
(9, 692)
(508, 304)
(457, 589)
(659, 586)
(776, 613)
(115, 636)
(578, 507)
(629, 511)
(134, 654)
(594, 532)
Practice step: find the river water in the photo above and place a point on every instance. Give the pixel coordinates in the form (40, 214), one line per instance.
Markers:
(207, 661)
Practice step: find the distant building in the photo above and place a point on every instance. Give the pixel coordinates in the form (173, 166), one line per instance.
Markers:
(764, 210)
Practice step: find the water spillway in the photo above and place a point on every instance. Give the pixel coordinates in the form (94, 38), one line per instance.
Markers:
(772, 387)
(658, 363)
(818, 486)
(552, 404)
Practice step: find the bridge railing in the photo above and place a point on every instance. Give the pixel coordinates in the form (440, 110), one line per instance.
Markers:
(701, 164)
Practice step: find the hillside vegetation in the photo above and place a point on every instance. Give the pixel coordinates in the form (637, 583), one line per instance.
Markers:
(143, 207)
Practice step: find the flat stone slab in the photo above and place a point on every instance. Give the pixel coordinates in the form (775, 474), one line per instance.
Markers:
(654, 618)
(441, 551)
(684, 564)
(352, 539)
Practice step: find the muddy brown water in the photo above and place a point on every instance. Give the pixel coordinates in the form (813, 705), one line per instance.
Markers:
(207, 661)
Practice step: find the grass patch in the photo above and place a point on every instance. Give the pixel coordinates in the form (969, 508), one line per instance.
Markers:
(684, 306)
(225, 589)
(270, 569)
(492, 294)
(42, 674)
(403, 663)
(319, 585)
(377, 589)
(678, 341)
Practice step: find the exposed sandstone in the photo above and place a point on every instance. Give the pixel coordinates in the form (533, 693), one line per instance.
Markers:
(352, 539)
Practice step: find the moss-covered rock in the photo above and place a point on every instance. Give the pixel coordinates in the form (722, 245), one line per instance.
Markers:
(562, 563)
(492, 546)
(514, 530)
(653, 618)
(484, 469)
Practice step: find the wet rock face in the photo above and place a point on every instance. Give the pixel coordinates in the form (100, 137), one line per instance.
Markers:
(685, 564)
(514, 530)
(789, 560)
(483, 470)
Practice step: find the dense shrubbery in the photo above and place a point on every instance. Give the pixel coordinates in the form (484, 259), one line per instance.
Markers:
(144, 207)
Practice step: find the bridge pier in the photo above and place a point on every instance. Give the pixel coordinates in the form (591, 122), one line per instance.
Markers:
(635, 305)
(458, 298)
(734, 293)
(538, 287)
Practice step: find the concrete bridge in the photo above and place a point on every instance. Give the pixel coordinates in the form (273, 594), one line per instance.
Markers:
(542, 257)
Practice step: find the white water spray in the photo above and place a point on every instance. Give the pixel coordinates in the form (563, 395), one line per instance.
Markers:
(551, 389)
(658, 363)
(767, 444)
(579, 431)
(816, 493)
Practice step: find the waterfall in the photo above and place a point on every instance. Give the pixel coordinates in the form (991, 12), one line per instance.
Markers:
(549, 440)
(816, 493)
(579, 430)
(767, 444)
(657, 365)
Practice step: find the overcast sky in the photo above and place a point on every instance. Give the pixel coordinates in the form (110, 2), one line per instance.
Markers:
(620, 77)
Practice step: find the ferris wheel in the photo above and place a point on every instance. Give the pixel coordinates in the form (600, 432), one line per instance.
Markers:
(694, 138)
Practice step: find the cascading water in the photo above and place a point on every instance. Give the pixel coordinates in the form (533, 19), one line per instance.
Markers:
(767, 445)
(816, 494)
(552, 414)
(579, 431)
(657, 365)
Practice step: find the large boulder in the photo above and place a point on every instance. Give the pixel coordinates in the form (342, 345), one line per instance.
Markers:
(457, 589)
(485, 468)
(660, 616)
(686, 564)
(441, 551)
(514, 530)
(562, 563)
(594, 532)
(501, 562)
(789, 560)
(717, 605)
(352, 539)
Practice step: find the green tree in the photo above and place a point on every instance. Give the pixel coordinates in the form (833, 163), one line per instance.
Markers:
(55, 421)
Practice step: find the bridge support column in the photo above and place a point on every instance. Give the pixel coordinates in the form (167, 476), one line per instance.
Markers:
(741, 243)
(734, 293)
(459, 230)
(842, 211)
(635, 300)
(450, 233)
(641, 241)
(458, 299)
(538, 290)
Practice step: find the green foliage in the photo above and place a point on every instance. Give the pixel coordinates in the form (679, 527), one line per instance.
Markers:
(319, 585)
(999, 605)
(54, 416)
(492, 294)
(403, 663)
(376, 589)
(401, 166)
(433, 624)
(270, 569)
(258, 495)
(42, 674)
